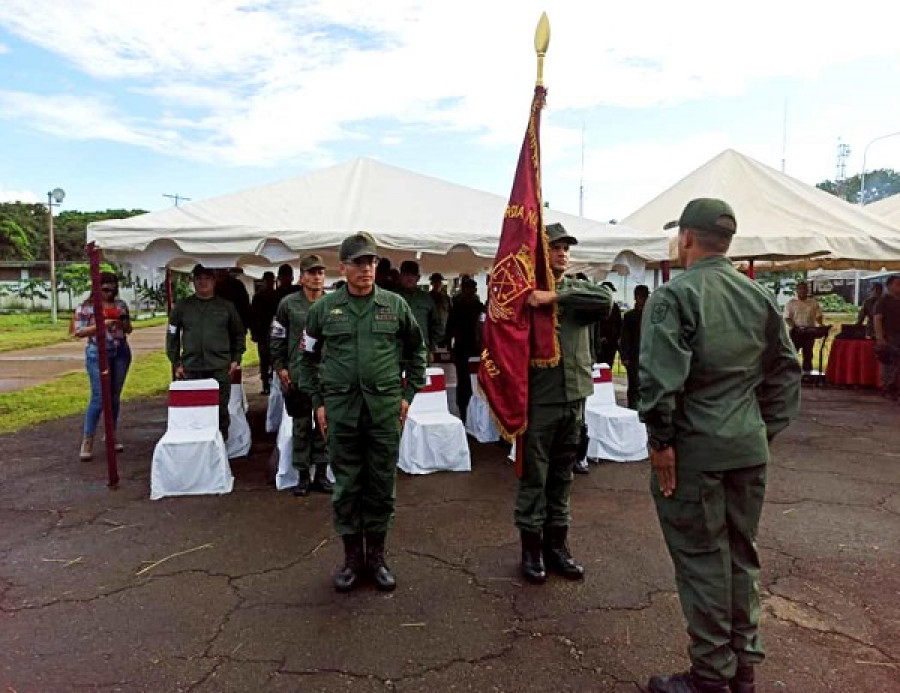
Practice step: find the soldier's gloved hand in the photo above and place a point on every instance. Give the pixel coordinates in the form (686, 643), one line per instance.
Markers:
(404, 409)
(322, 421)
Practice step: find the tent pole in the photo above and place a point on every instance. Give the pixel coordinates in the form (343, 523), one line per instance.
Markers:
(751, 270)
(168, 291)
(666, 267)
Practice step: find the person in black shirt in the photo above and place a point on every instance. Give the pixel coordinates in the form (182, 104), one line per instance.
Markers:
(262, 310)
(887, 336)
(606, 333)
(464, 337)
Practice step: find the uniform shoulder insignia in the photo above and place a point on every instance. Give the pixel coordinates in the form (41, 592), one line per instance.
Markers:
(660, 310)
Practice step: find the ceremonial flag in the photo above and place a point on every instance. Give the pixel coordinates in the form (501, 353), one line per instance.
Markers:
(515, 336)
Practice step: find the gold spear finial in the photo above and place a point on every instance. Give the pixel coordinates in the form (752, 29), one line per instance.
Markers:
(541, 42)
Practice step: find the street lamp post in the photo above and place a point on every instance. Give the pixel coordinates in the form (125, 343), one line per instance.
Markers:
(54, 197)
(862, 178)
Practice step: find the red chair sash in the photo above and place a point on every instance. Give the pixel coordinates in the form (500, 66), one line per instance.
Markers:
(438, 384)
(193, 398)
(605, 376)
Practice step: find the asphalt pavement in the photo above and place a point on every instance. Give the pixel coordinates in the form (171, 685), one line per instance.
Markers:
(105, 590)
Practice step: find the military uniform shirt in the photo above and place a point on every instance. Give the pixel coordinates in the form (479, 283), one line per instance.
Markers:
(287, 333)
(718, 373)
(580, 304)
(426, 315)
(205, 334)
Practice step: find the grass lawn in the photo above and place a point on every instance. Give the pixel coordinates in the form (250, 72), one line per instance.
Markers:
(149, 375)
(29, 330)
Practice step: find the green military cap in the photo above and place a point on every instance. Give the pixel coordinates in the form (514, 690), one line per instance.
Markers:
(311, 262)
(357, 245)
(707, 214)
(557, 232)
(201, 271)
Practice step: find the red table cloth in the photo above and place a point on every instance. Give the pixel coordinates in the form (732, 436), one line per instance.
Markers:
(853, 362)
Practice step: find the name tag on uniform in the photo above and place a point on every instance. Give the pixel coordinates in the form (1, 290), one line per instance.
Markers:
(277, 330)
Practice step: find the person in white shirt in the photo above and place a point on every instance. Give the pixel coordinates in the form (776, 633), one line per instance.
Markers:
(803, 315)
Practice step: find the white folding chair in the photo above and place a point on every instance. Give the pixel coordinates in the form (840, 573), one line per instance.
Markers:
(478, 415)
(614, 433)
(239, 439)
(286, 475)
(190, 458)
(433, 440)
(275, 406)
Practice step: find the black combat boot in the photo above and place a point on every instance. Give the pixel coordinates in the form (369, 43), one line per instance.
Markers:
(302, 487)
(354, 563)
(557, 556)
(320, 481)
(743, 681)
(384, 578)
(687, 682)
(532, 562)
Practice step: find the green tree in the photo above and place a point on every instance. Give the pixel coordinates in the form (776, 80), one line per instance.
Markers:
(15, 242)
(31, 289)
(880, 183)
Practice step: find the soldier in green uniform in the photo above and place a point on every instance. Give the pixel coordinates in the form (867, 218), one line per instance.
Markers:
(555, 419)
(364, 360)
(719, 379)
(286, 340)
(421, 303)
(206, 338)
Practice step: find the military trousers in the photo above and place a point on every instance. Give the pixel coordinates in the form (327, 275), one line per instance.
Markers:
(550, 449)
(222, 377)
(709, 525)
(308, 445)
(363, 453)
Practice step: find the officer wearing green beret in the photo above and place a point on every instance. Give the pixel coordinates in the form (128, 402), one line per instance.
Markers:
(556, 417)
(363, 362)
(286, 340)
(206, 338)
(719, 379)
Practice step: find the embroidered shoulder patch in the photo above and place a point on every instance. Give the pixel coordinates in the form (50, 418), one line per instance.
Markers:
(660, 310)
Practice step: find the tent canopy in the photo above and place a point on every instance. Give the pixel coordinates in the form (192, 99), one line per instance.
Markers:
(446, 227)
(780, 219)
(887, 208)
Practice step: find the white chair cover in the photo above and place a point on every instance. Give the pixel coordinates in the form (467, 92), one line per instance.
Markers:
(275, 407)
(286, 475)
(433, 439)
(190, 458)
(239, 438)
(614, 433)
(478, 416)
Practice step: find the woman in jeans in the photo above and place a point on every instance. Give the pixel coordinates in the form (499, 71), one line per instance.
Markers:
(118, 325)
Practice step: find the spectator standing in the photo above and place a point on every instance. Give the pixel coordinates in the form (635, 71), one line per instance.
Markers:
(866, 315)
(284, 285)
(118, 326)
(441, 305)
(262, 310)
(206, 339)
(420, 303)
(363, 362)
(630, 342)
(887, 337)
(803, 314)
(719, 379)
(607, 333)
(229, 287)
(287, 333)
(464, 338)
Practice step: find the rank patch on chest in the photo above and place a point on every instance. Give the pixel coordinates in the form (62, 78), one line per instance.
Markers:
(337, 311)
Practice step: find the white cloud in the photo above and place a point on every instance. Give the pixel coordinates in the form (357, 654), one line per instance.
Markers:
(17, 195)
(3, 49)
(267, 81)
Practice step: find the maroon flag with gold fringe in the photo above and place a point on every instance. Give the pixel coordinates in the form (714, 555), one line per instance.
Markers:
(516, 336)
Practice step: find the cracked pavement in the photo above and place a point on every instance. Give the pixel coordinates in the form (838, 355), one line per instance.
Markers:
(86, 601)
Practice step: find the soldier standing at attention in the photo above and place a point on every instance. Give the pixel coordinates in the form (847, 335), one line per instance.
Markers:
(206, 339)
(361, 392)
(555, 419)
(718, 380)
(420, 302)
(287, 350)
(441, 304)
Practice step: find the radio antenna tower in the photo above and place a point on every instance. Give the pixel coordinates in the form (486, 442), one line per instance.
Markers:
(843, 153)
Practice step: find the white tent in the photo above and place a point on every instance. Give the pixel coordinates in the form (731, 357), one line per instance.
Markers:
(887, 208)
(780, 219)
(447, 227)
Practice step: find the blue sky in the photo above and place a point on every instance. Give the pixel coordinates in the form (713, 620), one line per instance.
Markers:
(119, 102)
